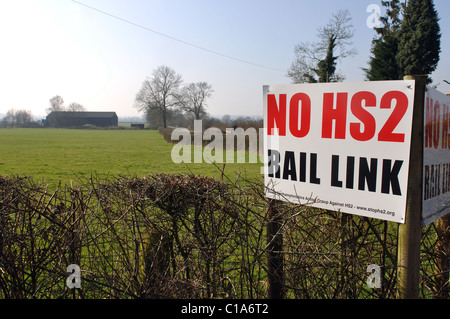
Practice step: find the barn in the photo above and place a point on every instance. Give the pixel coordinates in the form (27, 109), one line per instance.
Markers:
(77, 119)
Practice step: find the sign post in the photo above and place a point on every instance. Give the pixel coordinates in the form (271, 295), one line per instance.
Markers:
(275, 271)
(410, 233)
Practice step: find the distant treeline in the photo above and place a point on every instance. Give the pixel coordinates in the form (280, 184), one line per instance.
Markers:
(18, 118)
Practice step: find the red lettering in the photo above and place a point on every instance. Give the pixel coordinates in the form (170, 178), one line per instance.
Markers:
(445, 127)
(429, 123)
(436, 124)
(363, 115)
(334, 117)
(387, 132)
(433, 120)
(305, 118)
(338, 114)
(276, 114)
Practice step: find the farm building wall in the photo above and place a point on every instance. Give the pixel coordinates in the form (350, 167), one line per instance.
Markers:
(76, 119)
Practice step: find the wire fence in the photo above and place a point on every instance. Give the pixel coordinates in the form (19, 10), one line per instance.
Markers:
(186, 236)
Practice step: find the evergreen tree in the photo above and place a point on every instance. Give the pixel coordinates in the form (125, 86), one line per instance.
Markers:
(383, 62)
(419, 38)
(327, 67)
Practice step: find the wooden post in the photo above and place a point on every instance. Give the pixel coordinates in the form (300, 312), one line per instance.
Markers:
(275, 272)
(410, 233)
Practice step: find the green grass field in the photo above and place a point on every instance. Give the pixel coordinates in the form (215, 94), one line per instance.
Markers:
(56, 155)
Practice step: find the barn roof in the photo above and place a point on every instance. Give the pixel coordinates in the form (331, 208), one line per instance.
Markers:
(84, 114)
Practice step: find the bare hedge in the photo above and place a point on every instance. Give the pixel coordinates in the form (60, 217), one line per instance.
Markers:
(185, 236)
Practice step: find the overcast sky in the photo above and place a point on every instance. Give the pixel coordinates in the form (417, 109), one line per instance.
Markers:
(60, 47)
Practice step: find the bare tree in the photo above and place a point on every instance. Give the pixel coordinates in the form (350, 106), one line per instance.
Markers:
(194, 98)
(17, 118)
(161, 92)
(316, 62)
(341, 28)
(23, 117)
(76, 107)
(9, 119)
(56, 104)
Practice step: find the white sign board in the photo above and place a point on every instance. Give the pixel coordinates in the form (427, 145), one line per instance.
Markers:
(436, 157)
(340, 146)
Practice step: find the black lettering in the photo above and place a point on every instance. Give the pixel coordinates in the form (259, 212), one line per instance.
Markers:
(438, 179)
(335, 172)
(447, 178)
(432, 181)
(390, 177)
(303, 167)
(426, 191)
(289, 170)
(350, 172)
(274, 164)
(446, 181)
(368, 175)
(313, 179)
